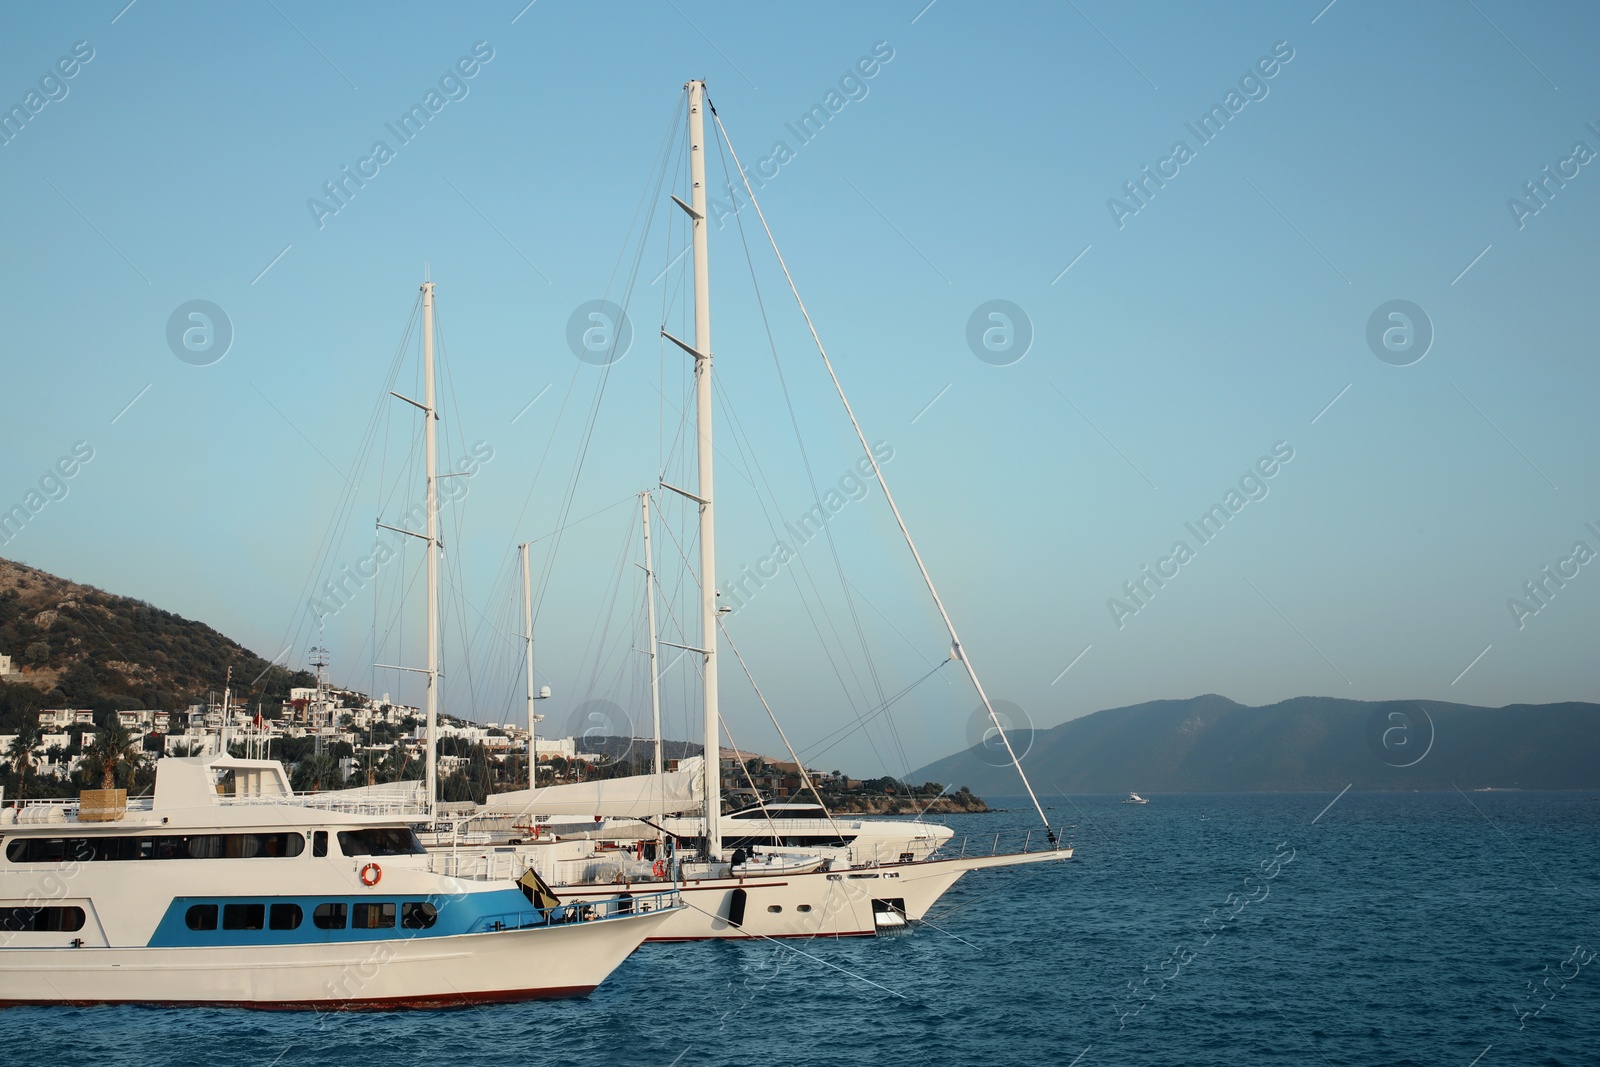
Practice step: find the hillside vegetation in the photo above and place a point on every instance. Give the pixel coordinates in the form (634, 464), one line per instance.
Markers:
(74, 646)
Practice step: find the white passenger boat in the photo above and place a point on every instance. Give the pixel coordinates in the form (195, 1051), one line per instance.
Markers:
(256, 897)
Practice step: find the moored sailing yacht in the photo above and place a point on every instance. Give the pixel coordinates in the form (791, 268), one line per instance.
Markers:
(723, 898)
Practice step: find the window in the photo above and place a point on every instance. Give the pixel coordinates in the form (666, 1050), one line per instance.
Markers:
(201, 917)
(373, 916)
(285, 917)
(243, 916)
(329, 916)
(380, 841)
(40, 920)
(774, 908)
(199, 847)
(319, 843)
(803, 907)
(166, 847)
(418, 915)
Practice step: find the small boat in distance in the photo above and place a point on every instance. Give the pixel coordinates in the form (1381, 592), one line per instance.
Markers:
(1135, 798)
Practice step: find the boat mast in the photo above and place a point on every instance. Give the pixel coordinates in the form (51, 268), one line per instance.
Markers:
(650, 612)
(527, 633)
(430, 448)
(702, 397)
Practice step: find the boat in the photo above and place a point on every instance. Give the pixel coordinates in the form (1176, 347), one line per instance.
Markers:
(226, 888)
(809, 828)
(723, 900)
(1135, 798)
(260, 898)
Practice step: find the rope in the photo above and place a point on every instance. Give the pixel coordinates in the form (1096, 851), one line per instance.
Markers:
(955, 641)
(804, 774)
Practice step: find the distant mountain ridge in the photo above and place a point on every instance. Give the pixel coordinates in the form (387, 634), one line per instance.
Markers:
(1212, 744)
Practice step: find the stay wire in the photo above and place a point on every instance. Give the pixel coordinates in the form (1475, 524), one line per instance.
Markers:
(889, 498)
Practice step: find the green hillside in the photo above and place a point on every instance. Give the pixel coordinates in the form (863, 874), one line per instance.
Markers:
(74, 646)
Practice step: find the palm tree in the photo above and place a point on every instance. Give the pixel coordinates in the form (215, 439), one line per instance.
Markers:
(312, 772)
(111, 749)
(21, 754)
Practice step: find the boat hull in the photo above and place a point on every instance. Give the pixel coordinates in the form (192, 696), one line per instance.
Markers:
(836, 903)
(422, 972)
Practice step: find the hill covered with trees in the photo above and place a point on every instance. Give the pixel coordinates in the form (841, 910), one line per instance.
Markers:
(74, 646)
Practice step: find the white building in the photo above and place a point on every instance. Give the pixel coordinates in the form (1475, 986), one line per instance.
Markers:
(157, 721)
(58, 718)
(551, 747)
(5, 665)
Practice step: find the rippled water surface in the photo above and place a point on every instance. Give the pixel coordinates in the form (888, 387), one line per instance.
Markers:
(1452, 929)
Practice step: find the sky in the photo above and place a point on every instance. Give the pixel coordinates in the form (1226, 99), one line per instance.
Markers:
(1084, 270)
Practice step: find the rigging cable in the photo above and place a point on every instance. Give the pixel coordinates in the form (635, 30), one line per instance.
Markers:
(955, 641)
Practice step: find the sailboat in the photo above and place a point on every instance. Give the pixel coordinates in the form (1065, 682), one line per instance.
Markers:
(722, 900)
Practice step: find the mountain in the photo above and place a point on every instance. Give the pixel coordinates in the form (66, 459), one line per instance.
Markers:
(74, 646)
(1211, 744)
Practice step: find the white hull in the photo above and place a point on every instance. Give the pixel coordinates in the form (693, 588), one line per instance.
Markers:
(838, 903)
(420, 972)
(256, 898)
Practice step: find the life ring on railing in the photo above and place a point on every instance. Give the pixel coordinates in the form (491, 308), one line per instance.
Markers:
(660, 869)
(371, 874)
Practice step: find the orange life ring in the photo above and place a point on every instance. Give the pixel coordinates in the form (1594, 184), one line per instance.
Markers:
(660, 869)
(371, 874)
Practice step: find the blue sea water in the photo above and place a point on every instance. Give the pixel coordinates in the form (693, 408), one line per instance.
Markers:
(1389, 929)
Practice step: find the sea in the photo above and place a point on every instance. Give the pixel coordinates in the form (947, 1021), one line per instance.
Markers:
(1457, 929)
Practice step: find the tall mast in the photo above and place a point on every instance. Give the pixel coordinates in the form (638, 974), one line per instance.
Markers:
(527, 632)
(708, 527)
(430, 448)
(650, 612)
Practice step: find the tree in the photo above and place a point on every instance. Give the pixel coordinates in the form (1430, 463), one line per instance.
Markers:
(21, 754)
(314, 772)
(38, 652)
(112, 749)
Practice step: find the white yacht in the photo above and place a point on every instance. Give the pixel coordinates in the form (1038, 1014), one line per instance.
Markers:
(1135, 798)
(812, 829)
(725, 894)
(256, 897)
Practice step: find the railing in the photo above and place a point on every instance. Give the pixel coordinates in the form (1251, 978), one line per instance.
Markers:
(736, 827)
(54, 810)
(479, 866)
(1003, 843)
(402, 808)
(612, 907)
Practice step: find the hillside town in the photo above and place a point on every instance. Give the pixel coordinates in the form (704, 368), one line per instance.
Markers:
(334, 738)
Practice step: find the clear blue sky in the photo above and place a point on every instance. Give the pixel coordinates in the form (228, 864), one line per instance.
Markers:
(1188, 338)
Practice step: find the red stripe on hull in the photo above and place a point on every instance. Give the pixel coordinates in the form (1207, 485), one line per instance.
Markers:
(433, 1002)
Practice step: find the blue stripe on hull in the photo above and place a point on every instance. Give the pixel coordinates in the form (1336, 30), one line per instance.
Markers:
(469, 914)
